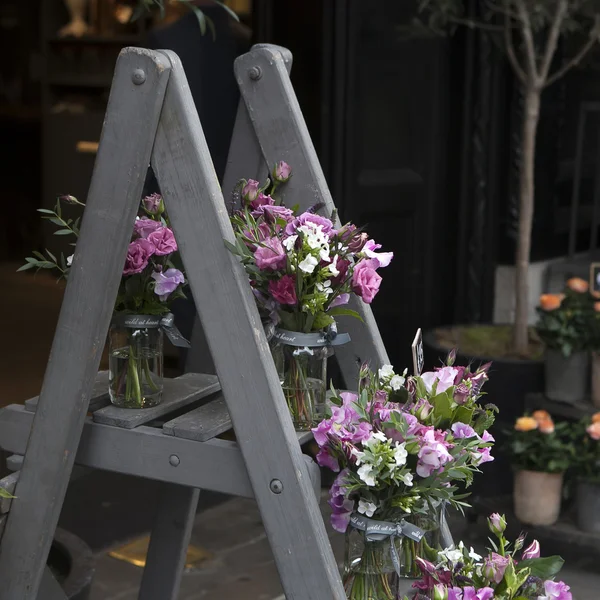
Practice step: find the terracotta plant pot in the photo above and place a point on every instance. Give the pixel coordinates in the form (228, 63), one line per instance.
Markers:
(596, 379)
(566, 377)
(537, 497)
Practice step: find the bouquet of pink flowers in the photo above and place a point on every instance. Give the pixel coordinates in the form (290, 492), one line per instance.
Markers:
(151, 281)
(400, 446)
(505, 573)
(302, 269)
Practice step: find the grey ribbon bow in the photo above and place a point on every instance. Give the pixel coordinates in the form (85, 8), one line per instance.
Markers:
(376, 531)
(329, 337)
(165, 322)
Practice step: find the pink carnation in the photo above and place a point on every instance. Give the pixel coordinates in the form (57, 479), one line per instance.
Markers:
(138, 254)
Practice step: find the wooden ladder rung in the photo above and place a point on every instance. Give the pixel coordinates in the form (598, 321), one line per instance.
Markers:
(177, 394)
(203, 423)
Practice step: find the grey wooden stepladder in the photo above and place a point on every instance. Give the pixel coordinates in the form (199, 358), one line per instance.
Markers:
(151, 119)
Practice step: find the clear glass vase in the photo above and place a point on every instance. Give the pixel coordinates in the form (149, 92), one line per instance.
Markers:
(369, 569)
(135, 365)
(303, 375)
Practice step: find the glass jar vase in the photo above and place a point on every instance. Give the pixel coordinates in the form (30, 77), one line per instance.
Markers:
(135, 362)
(376, 565)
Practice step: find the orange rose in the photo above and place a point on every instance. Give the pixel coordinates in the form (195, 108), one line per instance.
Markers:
(596, 417)
(546, 426)
(594, 430)
(578, 285)
(541, 415)
(526, 424)
(551, 301)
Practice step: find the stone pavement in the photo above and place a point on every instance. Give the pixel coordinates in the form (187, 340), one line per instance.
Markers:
(242, 566)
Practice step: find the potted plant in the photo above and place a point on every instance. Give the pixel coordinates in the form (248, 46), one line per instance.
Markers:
(302, 270)
(564, 327)
(540, 452)
(400, 455)
(586, 467)
(507, 571)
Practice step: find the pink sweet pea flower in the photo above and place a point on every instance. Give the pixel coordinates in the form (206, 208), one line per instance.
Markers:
(383, 258)
(556, 590)
(445, 378)
(167, 282)
(532, 551)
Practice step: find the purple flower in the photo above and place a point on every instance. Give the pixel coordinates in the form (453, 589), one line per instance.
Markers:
(271, 212)
(260, 201)
(494, 567)
(383, 258)
(250, 190)
(455, 593)
(365, 280)
(461, 393)
(153, 204)
(342, 266)
(469, 593)
(167, 282)
(556, 590)
(321, 432)
(324, 459)
(284, 290)
(444, 377)
(532, 551)
(271, 255)
(432, 456)
(282, 172)
(307, 217)
(481, 456)
(164, 241)
(138, 254)
(497, 523)
(422, 409)
(357, 243)
(341, 506)
(487, 437)
(462, 430)
(340, 300)
(144, 227)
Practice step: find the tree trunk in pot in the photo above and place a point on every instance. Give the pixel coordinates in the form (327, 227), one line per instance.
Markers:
(566, 377)
(596, 379)
(537, 497)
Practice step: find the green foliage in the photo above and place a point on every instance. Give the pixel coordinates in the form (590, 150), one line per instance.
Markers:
(5, 494)
(568, 327)
(586, 455)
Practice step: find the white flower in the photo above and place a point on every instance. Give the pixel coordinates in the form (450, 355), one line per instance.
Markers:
(70, 260)
(452, 554)
(407, 479)
(288, 243)
(366, 508)
(325, 288)
(386, 371)
(365, 474)
(333, 266)
(474, 555)
(308, 264)
(359, 456)
(400, 454)
(397, 382)
(377, 437)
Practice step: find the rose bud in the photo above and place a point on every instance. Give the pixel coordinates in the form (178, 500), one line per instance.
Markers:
(594, 430)
(549, 302)
(451, 357)
(526, 424)
(497, 523)
(153, 204)
(495, 567)
(519, 543)
(250, 190)
(541, 415)
(69, 199)
(576, 284)
(282, 172)
(532, 551)
(440, 592)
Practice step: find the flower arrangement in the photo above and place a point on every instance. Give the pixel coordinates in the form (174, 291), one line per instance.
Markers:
(536, 443)
(505, 573)
(399, 447)
(150, 282)
(302, 270)
(563, 322)
(586, 449)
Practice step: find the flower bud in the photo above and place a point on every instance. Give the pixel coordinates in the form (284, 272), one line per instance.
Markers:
(440, 592)
(357, 242)
(461, 393)
(532, 551)
(519, 543)
(494, 567)
(250, 190)
(282, 172)
(497, 523)
(69, 199)
(451, 357)
(423, 409)
(153, 204)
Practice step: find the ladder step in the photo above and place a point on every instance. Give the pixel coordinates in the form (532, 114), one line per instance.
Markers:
(8, 483)
(98, 399)
(177, 393)
(201, 424)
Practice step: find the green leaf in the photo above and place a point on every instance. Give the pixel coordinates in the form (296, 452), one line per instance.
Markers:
(5, 494)
(46, 211)
(29, 265)
(463, 415)
(51, 255)
(322, 320)
(544, 568)
(441, 404)
(341, 311)
(229, 10)
(63, 232)
(233, 249)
